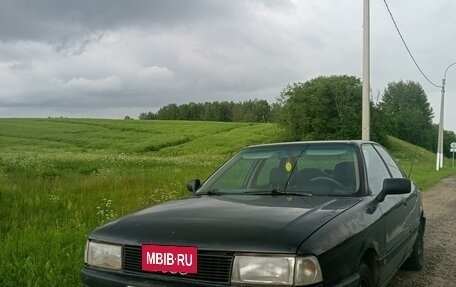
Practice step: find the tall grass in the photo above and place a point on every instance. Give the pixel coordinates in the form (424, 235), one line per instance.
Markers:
(60, 178)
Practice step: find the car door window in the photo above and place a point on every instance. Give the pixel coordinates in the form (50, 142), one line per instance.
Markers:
(392, 166)
(376, 169)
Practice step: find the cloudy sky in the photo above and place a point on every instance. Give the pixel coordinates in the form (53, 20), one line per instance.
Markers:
(112, 58)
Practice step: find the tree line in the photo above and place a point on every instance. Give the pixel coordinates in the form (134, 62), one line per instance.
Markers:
(247, 111)
(328, 108)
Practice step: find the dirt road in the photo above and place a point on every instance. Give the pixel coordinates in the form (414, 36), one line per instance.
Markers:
(439, 240)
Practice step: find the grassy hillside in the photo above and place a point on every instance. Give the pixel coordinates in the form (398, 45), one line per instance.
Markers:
(419, 163)
(60, 178)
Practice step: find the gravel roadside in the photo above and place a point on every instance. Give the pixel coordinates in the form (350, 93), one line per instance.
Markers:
(439, 240)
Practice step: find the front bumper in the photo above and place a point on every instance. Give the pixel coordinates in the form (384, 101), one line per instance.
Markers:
(96, 278)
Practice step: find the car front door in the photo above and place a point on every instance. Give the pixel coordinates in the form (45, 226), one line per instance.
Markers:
(393, 208)
(409, 200)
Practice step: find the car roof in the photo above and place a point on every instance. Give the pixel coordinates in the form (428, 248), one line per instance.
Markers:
(303, 143)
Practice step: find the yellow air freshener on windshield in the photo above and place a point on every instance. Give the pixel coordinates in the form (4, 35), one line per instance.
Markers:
(288, 166)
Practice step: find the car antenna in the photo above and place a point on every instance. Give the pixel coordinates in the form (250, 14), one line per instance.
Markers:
(413, 160)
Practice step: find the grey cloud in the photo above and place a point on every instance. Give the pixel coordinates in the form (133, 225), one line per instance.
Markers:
(88, 57)
(52, 20)
(20, 66)
(69, 46)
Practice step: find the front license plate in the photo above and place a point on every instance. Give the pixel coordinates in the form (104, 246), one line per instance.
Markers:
(165, 258)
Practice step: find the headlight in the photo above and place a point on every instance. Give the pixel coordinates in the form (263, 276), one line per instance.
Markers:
(307, 271)
(103, 255)
(276, 270)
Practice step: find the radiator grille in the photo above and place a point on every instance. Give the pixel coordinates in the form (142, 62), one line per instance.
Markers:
(214, 267)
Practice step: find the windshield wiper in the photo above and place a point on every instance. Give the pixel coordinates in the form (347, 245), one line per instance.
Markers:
(275, 191)
(212, 192)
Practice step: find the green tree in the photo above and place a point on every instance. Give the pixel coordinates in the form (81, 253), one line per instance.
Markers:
(169, 112)
(226, 111)
(276, 112)
(238, 112)
(325, 108)
(195, 111)
(212, 111)
(256, 111)
(247, 111)
(407, 113)
(148, 116)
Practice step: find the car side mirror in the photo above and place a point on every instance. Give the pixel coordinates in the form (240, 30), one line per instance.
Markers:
(193, 185)
(394, 186)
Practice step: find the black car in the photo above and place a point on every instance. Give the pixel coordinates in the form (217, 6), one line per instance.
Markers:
(337, 213)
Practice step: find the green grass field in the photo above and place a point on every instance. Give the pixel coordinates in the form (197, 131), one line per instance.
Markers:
(60, 178)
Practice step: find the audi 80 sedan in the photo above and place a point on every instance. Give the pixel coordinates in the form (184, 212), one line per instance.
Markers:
(328, 213)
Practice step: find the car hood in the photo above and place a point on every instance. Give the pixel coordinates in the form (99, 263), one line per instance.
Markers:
(245, 223)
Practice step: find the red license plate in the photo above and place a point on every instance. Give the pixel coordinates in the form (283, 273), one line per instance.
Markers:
(165, 258)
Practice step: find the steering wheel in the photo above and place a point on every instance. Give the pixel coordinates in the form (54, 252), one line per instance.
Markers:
(333, 182)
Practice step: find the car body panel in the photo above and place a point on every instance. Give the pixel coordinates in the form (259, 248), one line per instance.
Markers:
(341, 231)
(285, 221)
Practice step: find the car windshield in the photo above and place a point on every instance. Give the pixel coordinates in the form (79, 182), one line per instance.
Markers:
(316, 170)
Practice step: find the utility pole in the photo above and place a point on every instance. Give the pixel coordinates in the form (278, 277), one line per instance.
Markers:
(439, 161)
(366, 73)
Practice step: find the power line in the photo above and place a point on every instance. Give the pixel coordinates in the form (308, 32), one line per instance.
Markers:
(406, 47)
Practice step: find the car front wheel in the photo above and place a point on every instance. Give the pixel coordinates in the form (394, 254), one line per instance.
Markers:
(365, 276)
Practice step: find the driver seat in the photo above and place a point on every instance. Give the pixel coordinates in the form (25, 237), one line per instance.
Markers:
(278, 178)
(344, 172)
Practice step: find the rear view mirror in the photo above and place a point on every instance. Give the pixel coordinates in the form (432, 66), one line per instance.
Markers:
(193, 185)
(394, 186)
